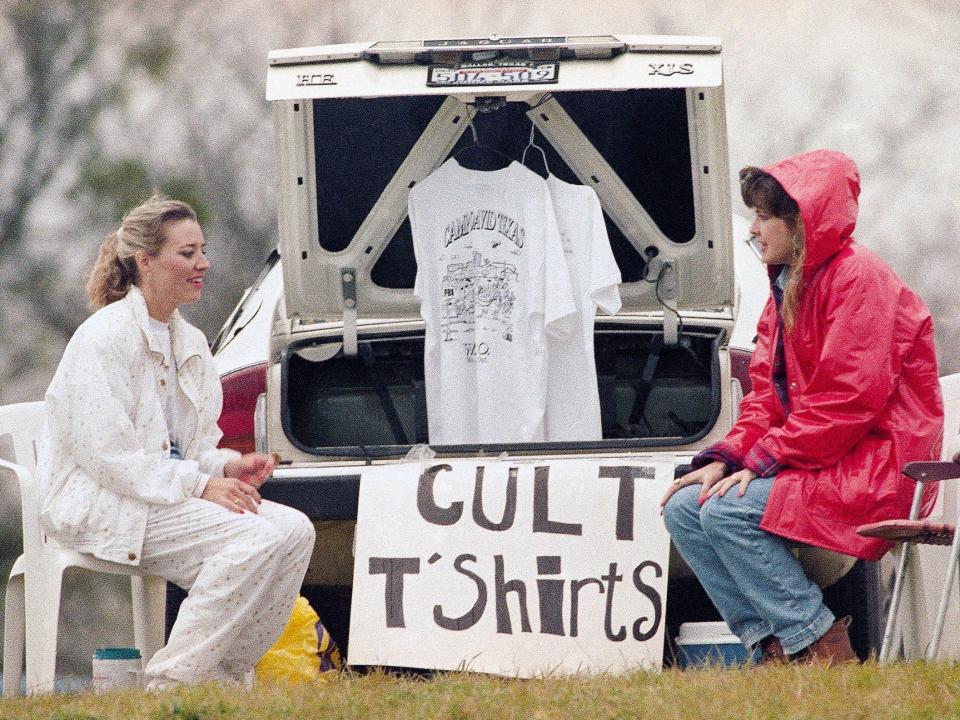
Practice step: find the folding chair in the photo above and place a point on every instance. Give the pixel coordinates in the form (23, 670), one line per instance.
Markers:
(31, 614)
(915, 531)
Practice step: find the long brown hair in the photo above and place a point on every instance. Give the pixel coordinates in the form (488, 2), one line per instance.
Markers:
(115, 269)
(761, 191)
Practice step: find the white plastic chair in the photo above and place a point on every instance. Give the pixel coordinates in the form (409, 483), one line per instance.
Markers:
(31, 615)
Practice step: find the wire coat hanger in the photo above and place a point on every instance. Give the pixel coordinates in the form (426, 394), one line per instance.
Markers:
(477, 145)
(532, 144)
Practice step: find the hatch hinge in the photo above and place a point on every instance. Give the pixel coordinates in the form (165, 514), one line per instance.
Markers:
(664, 270)
(671, 323)
(348, 290)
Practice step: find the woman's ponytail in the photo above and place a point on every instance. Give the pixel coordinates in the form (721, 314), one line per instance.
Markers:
(110, 277)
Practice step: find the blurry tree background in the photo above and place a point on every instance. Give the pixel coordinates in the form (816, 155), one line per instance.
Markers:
(102, 102)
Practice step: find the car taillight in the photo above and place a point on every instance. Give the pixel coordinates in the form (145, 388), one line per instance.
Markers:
(240, 392)
(740, 367)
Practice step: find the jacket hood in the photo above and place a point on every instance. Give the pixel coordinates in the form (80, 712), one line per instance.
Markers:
(826, 186)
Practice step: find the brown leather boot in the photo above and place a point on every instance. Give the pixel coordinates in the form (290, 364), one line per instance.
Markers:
(833, 648)
(771, 651)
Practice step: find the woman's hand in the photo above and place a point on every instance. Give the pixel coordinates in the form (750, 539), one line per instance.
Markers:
(707, 476)
(252, 468)
(742, 477)
(244, 476)
(233, 494)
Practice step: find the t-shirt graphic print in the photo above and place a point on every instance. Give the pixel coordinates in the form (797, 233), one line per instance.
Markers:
(492, 282)
(573, 398)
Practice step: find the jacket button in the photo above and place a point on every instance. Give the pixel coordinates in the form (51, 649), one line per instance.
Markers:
(131, 556)
(166, 445)
(163, 382)
(793, 386)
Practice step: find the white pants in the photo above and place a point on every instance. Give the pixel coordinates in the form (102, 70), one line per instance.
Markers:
(243, 573)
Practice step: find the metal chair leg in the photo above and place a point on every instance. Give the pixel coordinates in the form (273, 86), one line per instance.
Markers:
(889, 631)
(945, 598)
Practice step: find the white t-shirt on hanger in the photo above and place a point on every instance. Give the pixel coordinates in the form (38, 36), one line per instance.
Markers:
(492, 284)
(573, 399)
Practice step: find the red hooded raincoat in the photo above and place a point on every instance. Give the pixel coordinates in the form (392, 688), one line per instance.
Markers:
(861, 377)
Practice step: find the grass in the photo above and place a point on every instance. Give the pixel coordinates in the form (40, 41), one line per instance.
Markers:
(901, 691)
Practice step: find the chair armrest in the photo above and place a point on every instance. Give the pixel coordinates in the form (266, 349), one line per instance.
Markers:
(24, 476)
(935, 471)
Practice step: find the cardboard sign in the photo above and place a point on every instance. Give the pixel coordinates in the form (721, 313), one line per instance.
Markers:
(509, 568)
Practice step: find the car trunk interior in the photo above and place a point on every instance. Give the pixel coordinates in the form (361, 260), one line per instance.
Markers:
(651, 394)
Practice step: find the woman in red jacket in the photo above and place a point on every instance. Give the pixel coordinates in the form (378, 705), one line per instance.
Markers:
(845, 392)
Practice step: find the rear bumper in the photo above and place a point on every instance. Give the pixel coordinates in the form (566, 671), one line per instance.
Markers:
(319, 498)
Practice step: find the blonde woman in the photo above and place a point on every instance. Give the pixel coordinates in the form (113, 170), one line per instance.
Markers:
(845, 392)
(130, 465)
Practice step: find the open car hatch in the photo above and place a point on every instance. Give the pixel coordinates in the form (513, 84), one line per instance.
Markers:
(638, 119)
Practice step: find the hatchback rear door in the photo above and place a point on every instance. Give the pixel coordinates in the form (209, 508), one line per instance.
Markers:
(639, 119)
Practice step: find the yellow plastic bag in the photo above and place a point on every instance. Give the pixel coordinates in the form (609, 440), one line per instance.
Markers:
(303, 652)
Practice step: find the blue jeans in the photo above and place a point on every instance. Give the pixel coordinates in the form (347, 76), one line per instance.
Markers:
(750, 575)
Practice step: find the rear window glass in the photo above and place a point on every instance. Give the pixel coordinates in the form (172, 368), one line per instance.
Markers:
(360, 144)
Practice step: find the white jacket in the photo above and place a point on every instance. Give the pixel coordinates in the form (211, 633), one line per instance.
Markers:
(104, 455)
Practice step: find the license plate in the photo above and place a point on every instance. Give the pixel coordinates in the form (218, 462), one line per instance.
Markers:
(522, 72)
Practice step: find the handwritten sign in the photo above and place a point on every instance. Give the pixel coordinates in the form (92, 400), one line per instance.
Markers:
(508, 568)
